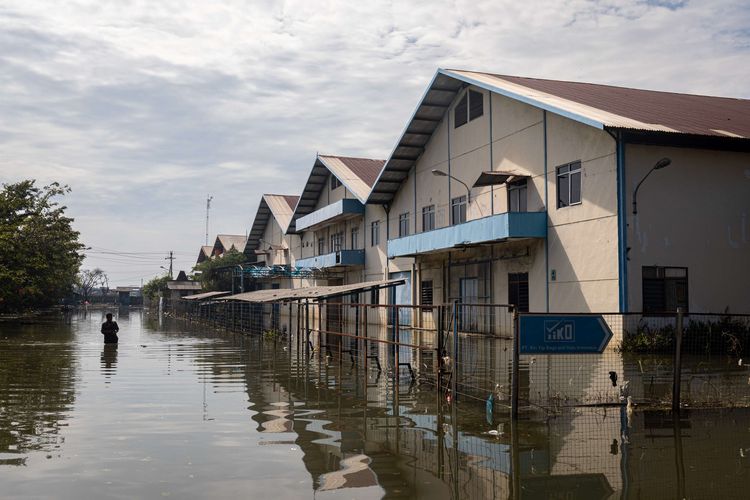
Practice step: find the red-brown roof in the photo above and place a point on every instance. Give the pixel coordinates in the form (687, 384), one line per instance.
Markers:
(682, 113)
(364, 168)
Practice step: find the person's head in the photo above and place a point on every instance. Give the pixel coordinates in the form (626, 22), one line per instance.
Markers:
(109, 316)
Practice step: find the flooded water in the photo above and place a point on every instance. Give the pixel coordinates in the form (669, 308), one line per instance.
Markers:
(181, 411)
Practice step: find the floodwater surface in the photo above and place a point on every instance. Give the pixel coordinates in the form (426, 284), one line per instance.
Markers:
(178, 410)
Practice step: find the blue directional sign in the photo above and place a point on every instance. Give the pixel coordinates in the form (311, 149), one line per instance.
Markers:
(563, 334)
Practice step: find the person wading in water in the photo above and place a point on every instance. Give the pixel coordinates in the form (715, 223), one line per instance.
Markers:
(109, 330)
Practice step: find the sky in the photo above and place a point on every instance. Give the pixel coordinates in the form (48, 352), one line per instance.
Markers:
(146, 107)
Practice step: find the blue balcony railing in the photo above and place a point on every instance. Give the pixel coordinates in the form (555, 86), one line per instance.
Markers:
(500, 227)
(335, 212)
(333, 259)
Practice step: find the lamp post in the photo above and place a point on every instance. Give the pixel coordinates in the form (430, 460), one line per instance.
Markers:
(440, 173)
(664, 162)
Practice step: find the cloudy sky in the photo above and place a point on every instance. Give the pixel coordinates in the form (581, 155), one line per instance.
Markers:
(145, 107)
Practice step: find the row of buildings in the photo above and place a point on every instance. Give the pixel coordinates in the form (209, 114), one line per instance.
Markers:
(549, 195)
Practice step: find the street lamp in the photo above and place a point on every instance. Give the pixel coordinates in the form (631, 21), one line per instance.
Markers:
(664, 162)
(440, 173)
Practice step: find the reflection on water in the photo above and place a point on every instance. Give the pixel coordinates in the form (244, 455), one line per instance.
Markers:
(190, 413)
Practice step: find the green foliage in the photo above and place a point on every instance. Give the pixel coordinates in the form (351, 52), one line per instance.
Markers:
(216, 274)
(155, 287)
(725, 336)
(39, 250)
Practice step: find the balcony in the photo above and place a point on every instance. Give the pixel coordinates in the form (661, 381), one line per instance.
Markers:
(335, 212)
(495, 228)
(334, 259)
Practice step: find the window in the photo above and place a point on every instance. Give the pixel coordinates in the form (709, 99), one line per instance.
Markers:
(664, 289)
(375, 233)
(337, 242)
(469, 107)
(428, 218)
(403, 224)
(375, 296)
(569, 184)
(321, 246)
(426, 293)
(355, 238)
(460, 112)
(517, 196)
(476, 104)
(335, 182)
(458, 210)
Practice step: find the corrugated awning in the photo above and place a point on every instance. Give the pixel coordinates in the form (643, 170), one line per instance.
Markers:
(313, 292)
(494, 178)
(206, 295)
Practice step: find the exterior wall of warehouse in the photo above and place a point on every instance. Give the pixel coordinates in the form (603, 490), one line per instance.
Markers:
(582, 239)
(696, 214)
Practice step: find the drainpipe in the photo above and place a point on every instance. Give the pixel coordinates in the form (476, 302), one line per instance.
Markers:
(622, 223)
(546, 208)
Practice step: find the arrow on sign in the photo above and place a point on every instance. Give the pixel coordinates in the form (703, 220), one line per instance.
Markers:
(563, 334)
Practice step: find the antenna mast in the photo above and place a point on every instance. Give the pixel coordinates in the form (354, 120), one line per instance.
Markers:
(208, 207)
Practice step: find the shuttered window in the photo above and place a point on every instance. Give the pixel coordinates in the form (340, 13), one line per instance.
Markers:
(476, 104)
(664, 289)
(460, 116)
(426, 293)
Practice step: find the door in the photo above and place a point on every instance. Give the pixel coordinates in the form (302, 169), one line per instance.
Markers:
(400, 295)
(518, 291)
(468, 317)
(333, 311)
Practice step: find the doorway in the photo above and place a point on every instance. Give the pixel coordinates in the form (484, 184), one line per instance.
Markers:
(518, 291)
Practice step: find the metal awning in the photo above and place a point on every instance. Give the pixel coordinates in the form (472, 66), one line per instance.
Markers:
(313, 292)
(206, 295)
(494, 178)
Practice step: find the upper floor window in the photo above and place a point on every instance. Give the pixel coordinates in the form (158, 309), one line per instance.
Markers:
(335, 182)
(337, 242)
(426, 292)
(403, 224)
(355, 238)
(517, 195)
(469, 107)
(375, 233)
(321, 246)
(428, 218)
(664, 288)
(569, 184)
(458, 210)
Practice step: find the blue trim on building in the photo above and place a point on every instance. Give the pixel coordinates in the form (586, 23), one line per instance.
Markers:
(329, 213)
(622, 227)
(485, 230)
(333, 259)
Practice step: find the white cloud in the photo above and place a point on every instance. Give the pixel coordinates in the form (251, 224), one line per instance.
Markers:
(144, 107)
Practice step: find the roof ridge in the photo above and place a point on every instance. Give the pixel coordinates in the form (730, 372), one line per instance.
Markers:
(351, 157)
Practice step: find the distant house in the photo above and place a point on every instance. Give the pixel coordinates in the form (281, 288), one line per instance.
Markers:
(182, 287)
(129, 296)
(225, 242)
(204, 254)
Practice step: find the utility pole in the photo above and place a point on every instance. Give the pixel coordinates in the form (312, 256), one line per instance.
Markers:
(208, 207)
(170, 259)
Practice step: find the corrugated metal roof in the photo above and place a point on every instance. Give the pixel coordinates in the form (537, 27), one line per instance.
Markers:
(280, 206)
(205, 295)
(312, 292)
(629, 108)
(356, 174)
(600, 106)
(183, 285)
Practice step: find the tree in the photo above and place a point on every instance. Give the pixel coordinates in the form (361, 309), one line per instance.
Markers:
(155, 286)
(216, 274)
(88, 279)
(39, 251)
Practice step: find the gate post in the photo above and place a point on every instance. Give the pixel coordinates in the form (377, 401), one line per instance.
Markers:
(677, 376)
(514, 379)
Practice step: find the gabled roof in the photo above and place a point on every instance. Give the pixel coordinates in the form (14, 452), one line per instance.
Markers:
(225, 242)
(281, 206)
(358, 175)
(599, 106)
(205, 253)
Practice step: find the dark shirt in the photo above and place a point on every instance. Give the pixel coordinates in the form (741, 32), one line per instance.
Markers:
(109, 330)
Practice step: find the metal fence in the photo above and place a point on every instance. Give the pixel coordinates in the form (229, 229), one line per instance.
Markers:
(466, 351)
